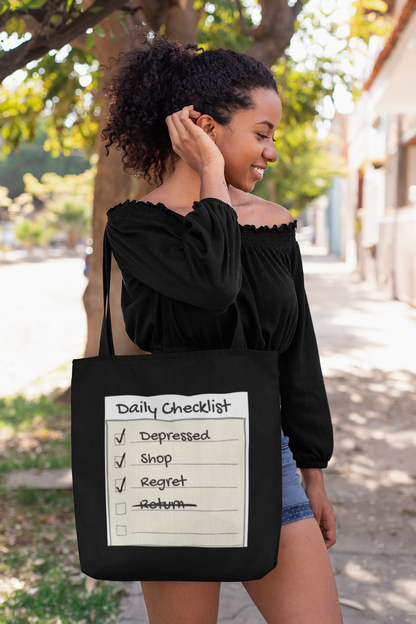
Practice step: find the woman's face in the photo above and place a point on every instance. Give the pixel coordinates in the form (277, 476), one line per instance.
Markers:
(247, 141)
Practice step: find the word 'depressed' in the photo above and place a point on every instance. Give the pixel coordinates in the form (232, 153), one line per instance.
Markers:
(183, 436)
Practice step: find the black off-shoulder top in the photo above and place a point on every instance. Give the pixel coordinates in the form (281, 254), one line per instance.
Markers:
(181, 277)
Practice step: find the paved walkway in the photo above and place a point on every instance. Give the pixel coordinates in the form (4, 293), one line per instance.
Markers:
(367, 350)
(42, 319)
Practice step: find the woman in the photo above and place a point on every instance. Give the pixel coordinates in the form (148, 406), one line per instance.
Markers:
(196, 244)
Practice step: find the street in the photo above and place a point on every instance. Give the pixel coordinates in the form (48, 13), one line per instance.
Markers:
(42, 319)
(370, 372)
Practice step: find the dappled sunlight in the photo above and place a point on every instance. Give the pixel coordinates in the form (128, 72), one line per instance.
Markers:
(366, 581)
(357, 418)
(371, 481)
(376, 605)
(407, 587)
(359, 328)
(375, 412)
(400, 602)
(359, 573)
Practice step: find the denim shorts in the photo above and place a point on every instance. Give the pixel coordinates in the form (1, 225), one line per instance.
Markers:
(295, 503)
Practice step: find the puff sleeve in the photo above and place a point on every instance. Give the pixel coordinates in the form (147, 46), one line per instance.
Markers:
(306, 419)
(193, 258)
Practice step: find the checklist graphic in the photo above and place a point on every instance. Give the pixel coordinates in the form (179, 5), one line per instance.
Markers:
(120, 462)
(177, 470)
(121, 509)
(120, 485)
(120, 438)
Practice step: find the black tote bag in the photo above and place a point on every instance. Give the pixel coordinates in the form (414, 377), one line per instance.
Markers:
(176, 461)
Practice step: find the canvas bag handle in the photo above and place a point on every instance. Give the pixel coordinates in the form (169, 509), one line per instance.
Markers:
(106, 339)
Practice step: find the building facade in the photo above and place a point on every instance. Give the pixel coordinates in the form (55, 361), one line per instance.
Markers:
(381, 151)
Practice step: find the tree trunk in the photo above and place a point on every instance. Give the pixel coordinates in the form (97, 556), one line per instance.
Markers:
(111, 187)
(182, 21)
(272, 36)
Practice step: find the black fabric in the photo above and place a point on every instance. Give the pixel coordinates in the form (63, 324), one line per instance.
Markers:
(181, 275)
(95, 378)
(254, 374)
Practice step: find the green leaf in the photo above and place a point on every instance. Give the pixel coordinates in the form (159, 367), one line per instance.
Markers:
(90, 41)
(15, 25)
(375, 5)
(124, 24)
(112, 37)
(99, 31)
(29, 4)
(95, 9)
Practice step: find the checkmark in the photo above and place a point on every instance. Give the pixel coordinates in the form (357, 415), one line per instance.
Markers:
(119, 437)
(120, 485)
(120, 461)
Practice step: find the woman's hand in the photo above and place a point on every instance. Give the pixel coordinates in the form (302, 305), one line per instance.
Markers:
(313, 483)
(191, 143)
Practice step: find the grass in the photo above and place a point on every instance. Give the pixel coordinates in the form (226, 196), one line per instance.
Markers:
(40, 578)
(34, 433)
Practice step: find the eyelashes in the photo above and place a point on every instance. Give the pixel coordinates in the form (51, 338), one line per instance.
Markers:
(264, 136)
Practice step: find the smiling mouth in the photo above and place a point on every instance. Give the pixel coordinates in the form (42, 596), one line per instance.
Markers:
(259, 171)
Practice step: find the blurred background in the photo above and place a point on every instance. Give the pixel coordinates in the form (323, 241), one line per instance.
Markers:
(346, 73)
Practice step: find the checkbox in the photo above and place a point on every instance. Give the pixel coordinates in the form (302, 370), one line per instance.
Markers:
(120, 485)
(121, 509)
(121, 530)
(120, 438)
(120, 462)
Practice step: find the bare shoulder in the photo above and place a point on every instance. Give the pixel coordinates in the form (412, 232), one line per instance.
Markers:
(277, 212)
(257, 211)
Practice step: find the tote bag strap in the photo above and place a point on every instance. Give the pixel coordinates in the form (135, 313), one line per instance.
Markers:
(106, 339)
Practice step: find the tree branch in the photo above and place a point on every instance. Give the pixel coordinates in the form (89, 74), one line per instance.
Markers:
(273, 35)
(45, 39)
(297, 8)
(246, 32)
(39, 14)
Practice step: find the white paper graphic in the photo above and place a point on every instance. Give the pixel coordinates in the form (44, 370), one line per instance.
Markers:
(177, 470)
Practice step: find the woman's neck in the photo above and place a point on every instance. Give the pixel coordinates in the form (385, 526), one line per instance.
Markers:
(183, 188)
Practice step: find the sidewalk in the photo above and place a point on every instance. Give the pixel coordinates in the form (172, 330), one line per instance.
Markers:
(367, 347)
(44, 315)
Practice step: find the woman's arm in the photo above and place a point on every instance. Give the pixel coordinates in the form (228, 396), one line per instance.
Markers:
(305, 414)
(305, 411)
(198, 150)
(314, 486)
(196, 258)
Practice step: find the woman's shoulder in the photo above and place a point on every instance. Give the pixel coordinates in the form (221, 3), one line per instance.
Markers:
(142, 211)
(257, 211)
(273, 213)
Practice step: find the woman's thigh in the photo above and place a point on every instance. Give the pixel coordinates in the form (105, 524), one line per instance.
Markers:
(176, 602)
(302, 587)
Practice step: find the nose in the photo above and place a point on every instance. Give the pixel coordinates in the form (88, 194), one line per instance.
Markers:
(270, 153)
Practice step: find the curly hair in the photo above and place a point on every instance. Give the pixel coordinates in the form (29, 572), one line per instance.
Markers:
(162, 78)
